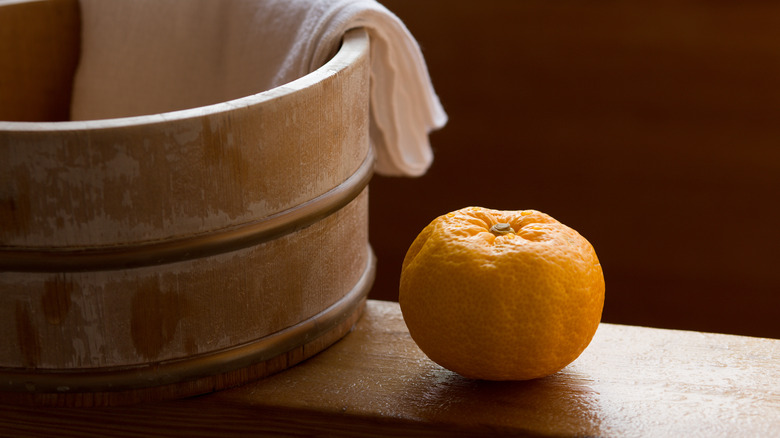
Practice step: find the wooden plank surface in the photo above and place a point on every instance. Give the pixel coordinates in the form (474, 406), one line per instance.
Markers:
(631, 381)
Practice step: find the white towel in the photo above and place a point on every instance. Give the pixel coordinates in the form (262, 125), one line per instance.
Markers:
(150, 56)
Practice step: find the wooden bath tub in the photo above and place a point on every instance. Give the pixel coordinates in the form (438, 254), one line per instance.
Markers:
(174, 254)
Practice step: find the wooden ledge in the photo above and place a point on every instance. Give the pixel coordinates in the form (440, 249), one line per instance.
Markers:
(631, 381)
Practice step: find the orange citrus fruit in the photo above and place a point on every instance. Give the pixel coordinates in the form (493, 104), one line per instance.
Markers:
(501, 295)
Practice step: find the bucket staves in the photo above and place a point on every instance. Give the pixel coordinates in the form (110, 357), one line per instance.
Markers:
(163, 256)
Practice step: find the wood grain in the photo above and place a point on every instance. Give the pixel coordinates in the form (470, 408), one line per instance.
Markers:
(165, 176)
(121, 186)
(631, 381)
(215, 380)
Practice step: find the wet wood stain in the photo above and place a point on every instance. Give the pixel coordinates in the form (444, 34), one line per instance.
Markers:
(56, 299)
(27, 336)
(155, 317)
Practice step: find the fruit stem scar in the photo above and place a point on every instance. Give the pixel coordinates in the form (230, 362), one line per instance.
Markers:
(501, 228)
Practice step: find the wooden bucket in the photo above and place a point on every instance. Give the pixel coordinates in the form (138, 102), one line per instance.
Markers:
(162, 256)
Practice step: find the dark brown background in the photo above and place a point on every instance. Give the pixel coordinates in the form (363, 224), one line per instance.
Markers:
(652, 127)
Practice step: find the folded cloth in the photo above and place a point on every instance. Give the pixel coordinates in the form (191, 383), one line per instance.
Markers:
(150, 56)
